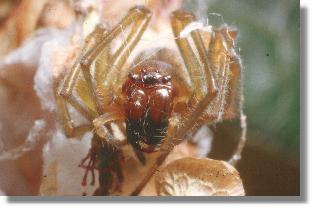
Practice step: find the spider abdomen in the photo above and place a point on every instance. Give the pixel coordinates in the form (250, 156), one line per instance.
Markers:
(149, 101)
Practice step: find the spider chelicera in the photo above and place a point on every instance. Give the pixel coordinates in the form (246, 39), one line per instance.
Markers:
(154, 104)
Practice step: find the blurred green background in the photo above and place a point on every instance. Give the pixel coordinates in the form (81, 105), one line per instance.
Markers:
(269, 34)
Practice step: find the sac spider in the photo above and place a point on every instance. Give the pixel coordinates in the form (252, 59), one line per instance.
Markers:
(156, 107)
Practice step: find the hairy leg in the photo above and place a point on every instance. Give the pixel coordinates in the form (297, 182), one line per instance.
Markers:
(70, 129)
(67, 87)
(227, 64)
(97, 36)
(136, 21)
(194, 55)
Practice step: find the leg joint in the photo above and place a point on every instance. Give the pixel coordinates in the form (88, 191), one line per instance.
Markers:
(64, 93)
(85, 64)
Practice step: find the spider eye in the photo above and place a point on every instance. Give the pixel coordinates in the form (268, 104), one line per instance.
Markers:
(151, 78)
(166, 79)
(133, 76)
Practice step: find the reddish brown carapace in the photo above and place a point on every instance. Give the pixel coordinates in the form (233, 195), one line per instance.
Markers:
(149, 95)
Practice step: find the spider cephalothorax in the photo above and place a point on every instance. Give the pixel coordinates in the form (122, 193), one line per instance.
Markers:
(155, 105)
(149, 101)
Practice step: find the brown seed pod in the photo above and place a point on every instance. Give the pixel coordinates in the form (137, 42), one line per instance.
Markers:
(199, 177)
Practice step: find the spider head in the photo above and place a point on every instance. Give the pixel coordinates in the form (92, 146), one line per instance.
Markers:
(149, 100)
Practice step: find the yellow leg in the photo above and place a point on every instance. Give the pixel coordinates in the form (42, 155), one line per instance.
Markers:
(66, 88)
(100, 123)
(202, 76)
(69, 127)
(137, 19)
(98, 35)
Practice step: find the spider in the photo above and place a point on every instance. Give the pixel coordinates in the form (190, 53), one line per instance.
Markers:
(150, 101)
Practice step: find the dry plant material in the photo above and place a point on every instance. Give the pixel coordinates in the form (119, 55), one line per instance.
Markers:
(21, 113)
(20, 24)
(199, 177)
(28, 16)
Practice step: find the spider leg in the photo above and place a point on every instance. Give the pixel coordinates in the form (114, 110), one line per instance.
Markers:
(196, 59)
(195, 56)
(100, 124)
(66, 88)
(235, 84)
(227, 65)
(70, 129)
(65, 94)
(137, 21)
(223, 56)
(79, 106)
(98, 35)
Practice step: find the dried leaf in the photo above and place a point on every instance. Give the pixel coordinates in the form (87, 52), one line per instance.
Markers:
(199, 177)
